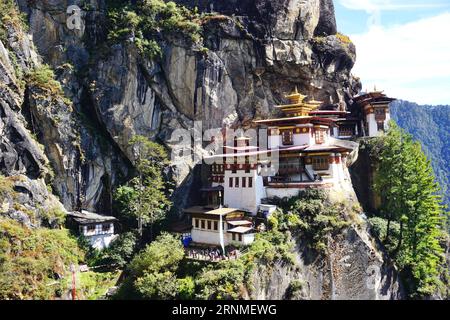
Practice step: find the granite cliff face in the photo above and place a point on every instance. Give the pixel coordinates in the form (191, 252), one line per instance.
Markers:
(353, 269)
(256, 52)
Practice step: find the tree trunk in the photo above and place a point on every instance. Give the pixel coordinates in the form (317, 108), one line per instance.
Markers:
(400, 238)
(388, 230)
(140, 226)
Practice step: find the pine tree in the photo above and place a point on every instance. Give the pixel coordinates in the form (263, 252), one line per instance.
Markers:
(406, 183)
(425, 225)
(390, 176)
(144, 197)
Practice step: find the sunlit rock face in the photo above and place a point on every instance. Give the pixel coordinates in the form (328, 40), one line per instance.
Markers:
(255, 52)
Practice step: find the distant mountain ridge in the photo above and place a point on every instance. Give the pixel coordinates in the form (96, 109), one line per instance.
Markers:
(431, 126)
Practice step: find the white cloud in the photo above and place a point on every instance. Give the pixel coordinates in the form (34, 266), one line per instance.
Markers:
(409, 61)
(371, 6)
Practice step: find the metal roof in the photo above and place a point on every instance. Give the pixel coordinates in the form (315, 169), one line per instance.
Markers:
(239, 222)
(206, 189)
(222, 211)
(240, 230)
(86, 217)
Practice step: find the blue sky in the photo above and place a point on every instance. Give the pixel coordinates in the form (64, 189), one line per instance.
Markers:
(403, 46)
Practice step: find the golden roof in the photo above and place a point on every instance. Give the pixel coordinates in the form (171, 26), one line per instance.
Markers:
(298, 103)
(295, 97)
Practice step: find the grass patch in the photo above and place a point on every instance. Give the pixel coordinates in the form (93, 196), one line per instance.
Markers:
(10, 16)
(94, 285)
(34, 262)
(344, 38)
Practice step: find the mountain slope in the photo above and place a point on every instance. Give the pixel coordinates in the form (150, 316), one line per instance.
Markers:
(431, 126)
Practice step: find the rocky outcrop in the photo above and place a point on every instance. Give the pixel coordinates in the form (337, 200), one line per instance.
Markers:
(256, 51)
(252, 53)
(352, 269)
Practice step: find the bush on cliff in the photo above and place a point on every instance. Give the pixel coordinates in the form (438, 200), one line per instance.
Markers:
(34, 262)
(148, 21)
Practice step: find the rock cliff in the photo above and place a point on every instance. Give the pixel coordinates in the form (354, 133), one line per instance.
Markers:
(252, 52)
(352, 269)
(256, 51)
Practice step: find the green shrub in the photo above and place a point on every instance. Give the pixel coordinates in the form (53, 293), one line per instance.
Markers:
(343, 38)
(165, 253)
(223, 282)
(10, 15)
(157, 285)
(153, 269)
(53, 217)
(294, 290)
(314, 216)
(6, 187)
(33, 260)
(43, 77)
(148, 21)
(120, 251)
(186, 288)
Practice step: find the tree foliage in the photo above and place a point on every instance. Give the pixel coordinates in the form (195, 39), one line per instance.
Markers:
(312, 215)
(10, 16)
(146, 21)
(433, 131)
(410, 197)
(144, 197)
(120, 252)
(153, 270)
(163, 254)
(33, 262)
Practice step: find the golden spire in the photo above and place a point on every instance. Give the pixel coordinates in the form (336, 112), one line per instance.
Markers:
(295, 97)
(314, 101)
(298, 106)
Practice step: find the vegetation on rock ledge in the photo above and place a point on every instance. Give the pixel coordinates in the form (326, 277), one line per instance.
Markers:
(10, 15)
(33, 261)
(145, 23)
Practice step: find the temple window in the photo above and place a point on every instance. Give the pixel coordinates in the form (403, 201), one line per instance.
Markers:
(346, 131)
(196, 223)
(320, 136)
(202, 224)
(230, 182)
(320, 163)
(287, 137)
(380, 126)
(236, 182)
(216, 225)
(244, 180)
(106, 227)
(250, 182)
(209, 224)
